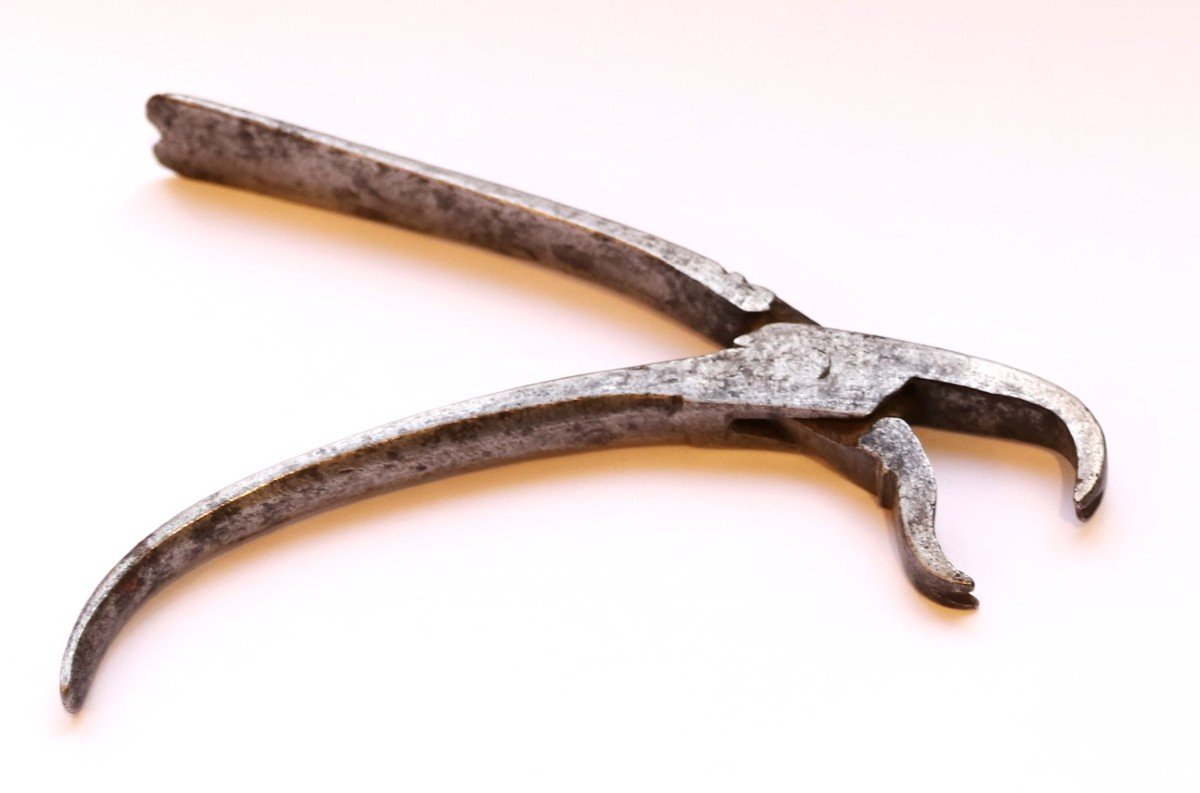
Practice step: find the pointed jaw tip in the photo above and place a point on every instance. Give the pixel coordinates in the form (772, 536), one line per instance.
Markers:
(963, 601)
(953, 590)
(947, 587)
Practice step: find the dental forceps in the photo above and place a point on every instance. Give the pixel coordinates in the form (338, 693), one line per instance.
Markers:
(779, 381)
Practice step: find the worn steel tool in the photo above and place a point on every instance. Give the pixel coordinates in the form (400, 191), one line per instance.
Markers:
(780, 382)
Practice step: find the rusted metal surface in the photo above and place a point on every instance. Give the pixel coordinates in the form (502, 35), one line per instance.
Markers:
(204, 140)
(845, 397)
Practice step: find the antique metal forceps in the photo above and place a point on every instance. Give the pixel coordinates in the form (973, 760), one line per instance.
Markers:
(780, 381)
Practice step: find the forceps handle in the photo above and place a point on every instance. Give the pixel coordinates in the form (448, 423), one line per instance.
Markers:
(205, 140)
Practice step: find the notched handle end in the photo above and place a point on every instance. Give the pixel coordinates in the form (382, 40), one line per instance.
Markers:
(205, 140)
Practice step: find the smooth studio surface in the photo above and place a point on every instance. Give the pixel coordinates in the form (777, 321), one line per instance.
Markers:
(1006, 182)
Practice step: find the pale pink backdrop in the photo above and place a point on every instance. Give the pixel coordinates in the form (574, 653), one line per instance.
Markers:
(1016, 180)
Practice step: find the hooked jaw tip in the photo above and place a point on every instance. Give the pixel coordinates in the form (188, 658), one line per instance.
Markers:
(931, 572)
(1091, 462)
(957, 596)
(1089, 490)
(932, 575)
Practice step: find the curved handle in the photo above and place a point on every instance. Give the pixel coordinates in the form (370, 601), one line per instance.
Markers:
(205, 140)
(846, 391)
(575, 414)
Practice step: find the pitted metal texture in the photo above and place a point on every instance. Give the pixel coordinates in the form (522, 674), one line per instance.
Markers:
(845, 397)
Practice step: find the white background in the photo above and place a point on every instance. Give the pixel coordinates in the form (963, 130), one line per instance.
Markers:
(1020, 181)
